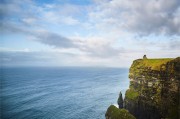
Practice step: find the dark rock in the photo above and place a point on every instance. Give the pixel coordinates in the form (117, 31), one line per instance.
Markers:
(120, 101)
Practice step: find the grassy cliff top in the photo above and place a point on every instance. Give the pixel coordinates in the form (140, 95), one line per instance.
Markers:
(154, 64)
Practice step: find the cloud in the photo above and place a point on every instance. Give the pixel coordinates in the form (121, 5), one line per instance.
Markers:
(20, 58)
(99, 47)
(36, 58)
(41, 35)
(54, 39)
(174, 44)
(55, 58)
(91, 46)
(139, 16)
(56, 18)
(16, 20)
(29, 20)
(36, 14)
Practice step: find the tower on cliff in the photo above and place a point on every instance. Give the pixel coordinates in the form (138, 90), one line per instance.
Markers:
(144, 57)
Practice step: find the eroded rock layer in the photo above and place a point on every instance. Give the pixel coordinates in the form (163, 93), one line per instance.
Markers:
(154, 90)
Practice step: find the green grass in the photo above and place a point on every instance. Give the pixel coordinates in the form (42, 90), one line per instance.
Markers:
(154, 64)
(116, 113)
(131, 94)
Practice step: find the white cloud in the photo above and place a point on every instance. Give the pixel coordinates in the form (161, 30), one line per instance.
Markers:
(139, 16)
(54, 17)
(29, 20)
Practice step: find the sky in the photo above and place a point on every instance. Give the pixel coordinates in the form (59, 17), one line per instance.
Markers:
(108, 33)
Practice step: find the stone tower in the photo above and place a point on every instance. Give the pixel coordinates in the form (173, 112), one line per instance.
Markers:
(144, 57)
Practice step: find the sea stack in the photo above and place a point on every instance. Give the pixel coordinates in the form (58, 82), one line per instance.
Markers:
(120, 101)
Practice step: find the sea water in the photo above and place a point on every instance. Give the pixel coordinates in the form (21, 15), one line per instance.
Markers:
(60, 93)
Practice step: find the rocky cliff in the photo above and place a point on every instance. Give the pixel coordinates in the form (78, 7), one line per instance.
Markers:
(154, 91)
(115, 113)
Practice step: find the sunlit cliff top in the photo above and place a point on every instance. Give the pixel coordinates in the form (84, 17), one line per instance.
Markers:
(154, 64)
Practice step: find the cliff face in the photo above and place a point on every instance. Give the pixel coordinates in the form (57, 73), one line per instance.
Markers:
(154, 90)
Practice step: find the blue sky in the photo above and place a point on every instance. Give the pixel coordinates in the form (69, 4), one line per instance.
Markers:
(108, 33)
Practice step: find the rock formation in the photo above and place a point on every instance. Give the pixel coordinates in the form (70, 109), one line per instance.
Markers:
(120, 101)
(154, 91)
(115, 113)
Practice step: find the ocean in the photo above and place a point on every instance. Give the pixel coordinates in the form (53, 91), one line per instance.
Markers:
(60, 93)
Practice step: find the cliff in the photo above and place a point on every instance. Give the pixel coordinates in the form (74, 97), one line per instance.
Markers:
(115, 113)
(154, 91)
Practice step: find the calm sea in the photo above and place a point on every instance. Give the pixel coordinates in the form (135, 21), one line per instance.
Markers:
(60, 93)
